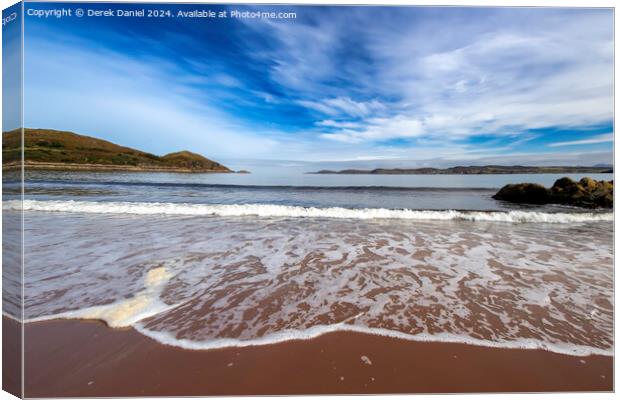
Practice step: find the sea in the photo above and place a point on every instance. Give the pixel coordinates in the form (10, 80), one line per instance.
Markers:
(204, 261)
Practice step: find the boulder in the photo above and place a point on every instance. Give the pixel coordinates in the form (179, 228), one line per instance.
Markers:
(603, 194)
(588, 183)
(588, 193)
(567, 191)
(531, 193)
(567, 186)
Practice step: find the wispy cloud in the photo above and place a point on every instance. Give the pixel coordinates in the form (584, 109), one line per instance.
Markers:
(344, 106)
(379, 129)
(608, 137)
(337, 83)
(505, 73)
(90, 91)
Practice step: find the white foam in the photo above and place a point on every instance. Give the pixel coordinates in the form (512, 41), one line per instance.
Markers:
(273, 210)
(125, 312)
(169, 339)
(12, 317)
(120, 314)
(263, 281)
(318, 330)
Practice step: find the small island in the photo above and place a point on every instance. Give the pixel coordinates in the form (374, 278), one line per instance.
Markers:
(587, 193)
(474, 170)
(47, 149)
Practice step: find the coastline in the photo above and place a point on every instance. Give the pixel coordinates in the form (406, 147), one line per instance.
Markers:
(44, 166)
(87, 358)
(485, 170)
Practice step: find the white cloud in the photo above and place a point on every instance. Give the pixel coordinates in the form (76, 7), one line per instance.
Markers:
(340, 106)
(510, 75)
(339, 124)
(608, 137)
(380, 129)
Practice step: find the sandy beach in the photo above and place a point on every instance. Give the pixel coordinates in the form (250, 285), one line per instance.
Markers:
(11, 356)
(86, 358)
(157, 304)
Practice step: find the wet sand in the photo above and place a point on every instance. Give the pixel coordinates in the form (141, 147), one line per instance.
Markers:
(11, 356)
(86, 358)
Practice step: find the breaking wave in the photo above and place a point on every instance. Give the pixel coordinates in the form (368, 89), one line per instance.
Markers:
(284, 211)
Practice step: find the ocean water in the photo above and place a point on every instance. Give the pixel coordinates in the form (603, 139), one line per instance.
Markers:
(213, 260)
(415, 192)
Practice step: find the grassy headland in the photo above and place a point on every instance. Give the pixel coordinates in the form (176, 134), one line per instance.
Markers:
(59, 150)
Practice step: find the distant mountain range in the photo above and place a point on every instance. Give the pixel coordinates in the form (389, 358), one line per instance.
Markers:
(58, 150)
(473, 170)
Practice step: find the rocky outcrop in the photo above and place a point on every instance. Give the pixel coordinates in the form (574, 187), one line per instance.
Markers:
(588, 193)
(531, 193)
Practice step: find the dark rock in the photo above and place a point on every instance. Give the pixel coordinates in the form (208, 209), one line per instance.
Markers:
(588, 193)
(531, 193)
(567, 191)
(588, 183)
(603, 194)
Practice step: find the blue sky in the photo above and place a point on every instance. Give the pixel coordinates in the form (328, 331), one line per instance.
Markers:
(11, 67)
(362, 86)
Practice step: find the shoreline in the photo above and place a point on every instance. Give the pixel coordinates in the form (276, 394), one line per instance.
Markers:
(87, 358)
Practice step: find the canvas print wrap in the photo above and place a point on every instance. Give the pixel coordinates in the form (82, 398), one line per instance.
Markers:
(212, 199)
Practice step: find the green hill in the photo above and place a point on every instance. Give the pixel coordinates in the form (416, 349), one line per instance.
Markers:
(51, 149)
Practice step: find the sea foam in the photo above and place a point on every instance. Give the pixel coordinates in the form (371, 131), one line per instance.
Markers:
(283, 211)
(204, 283)
(319, 330)
(126, 312)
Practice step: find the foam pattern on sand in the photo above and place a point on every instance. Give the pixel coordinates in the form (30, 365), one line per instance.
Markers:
(318, 330)
(208, 282)
(126, 312)
(274, 210)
